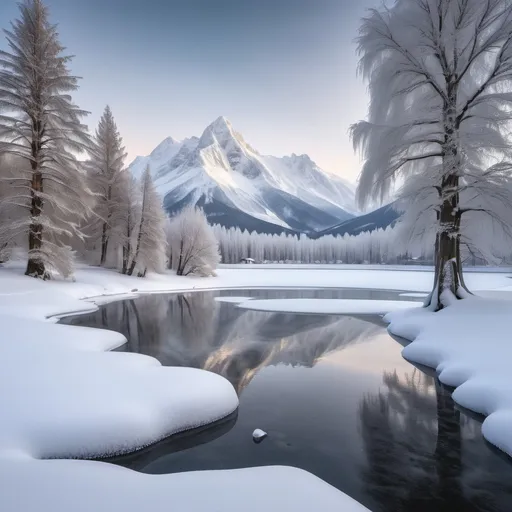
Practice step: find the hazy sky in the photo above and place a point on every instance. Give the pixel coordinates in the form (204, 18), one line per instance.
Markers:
(282, 71)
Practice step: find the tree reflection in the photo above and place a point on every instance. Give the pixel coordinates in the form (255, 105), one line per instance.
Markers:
(195, 330)
(412, 435)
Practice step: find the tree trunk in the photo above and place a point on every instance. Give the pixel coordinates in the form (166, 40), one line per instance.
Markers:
(462, 284)
(35, 265)
(449, 272)
(448, 268)
(106, 225)
(136, 255)
(179, 270)
(127, 245)
(137, 248)
(104, 244)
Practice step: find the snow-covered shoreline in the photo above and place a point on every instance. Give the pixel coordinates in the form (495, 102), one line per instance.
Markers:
(468, 345)
(94, 285)
(68, 395)
(73, 406)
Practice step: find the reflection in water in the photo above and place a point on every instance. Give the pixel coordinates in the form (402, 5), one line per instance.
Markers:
(195, 330)
(178, 442)
(419, 453)
(333, 393)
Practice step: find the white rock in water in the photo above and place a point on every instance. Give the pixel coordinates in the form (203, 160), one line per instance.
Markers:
(258, 435)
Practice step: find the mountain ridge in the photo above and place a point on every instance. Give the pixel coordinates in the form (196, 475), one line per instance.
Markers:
(221, 170)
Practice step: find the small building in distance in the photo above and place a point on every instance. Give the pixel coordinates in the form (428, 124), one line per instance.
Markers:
(247, 261)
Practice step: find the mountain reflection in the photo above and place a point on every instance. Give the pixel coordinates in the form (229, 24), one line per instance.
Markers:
(423, 454)
(195, 330)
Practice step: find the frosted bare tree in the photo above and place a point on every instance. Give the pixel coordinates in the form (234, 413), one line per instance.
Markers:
(192, 245)
(148, 250)
(439, 74)
(40, 125)
(106, 171)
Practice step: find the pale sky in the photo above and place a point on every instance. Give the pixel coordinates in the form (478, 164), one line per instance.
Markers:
(282, 71)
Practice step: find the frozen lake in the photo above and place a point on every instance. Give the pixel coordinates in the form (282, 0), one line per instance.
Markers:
(333, 393)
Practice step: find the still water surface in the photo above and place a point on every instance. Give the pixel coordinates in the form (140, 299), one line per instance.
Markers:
(333, 393)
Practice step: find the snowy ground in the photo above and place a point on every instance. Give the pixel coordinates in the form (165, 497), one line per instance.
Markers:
(328, 306)
(67, 397)
(99, 285)
(64, 395)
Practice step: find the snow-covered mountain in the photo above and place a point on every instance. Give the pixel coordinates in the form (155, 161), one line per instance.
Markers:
(237, 186)
(378, 219)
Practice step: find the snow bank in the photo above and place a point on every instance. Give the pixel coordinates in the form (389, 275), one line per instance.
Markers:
(67, 398)
(63, 395)
(329, 306)
(85, 486)
(468, 343)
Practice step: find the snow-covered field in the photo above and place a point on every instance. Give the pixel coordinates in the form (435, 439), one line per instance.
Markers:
(67, 397)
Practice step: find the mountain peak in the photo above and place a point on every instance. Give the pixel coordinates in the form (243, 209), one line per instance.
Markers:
(220, 130)
(303, 156)
(222, 121)
(164, 146)
(221, 127)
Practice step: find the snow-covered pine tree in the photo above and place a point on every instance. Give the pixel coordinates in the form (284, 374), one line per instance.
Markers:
(440, 81)
(192, 246)
(129, 201)
(106, 172)
(41, 125)
(149, 248)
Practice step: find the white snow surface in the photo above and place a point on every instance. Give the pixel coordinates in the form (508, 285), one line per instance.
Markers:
(414, 294)
(86, 486)
(329, 306)
(468, 343)
(97, 284)
(64, 395)
(233, 300)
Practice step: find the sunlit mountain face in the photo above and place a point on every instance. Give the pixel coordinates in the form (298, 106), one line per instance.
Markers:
(238, 186)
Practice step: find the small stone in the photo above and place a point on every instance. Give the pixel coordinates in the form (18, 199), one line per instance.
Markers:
(258, 435)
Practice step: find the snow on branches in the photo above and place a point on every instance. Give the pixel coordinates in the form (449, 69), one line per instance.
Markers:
(42, 128)
(146, 243)
(440, 81)
(106, 175)
(192, 246)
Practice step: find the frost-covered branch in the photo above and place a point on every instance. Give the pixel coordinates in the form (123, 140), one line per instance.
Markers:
(457, 164)
(192, 246)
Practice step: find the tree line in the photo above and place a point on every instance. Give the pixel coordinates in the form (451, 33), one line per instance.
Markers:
(381, 246)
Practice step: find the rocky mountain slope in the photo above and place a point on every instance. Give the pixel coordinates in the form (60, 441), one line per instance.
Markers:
(237, 186)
